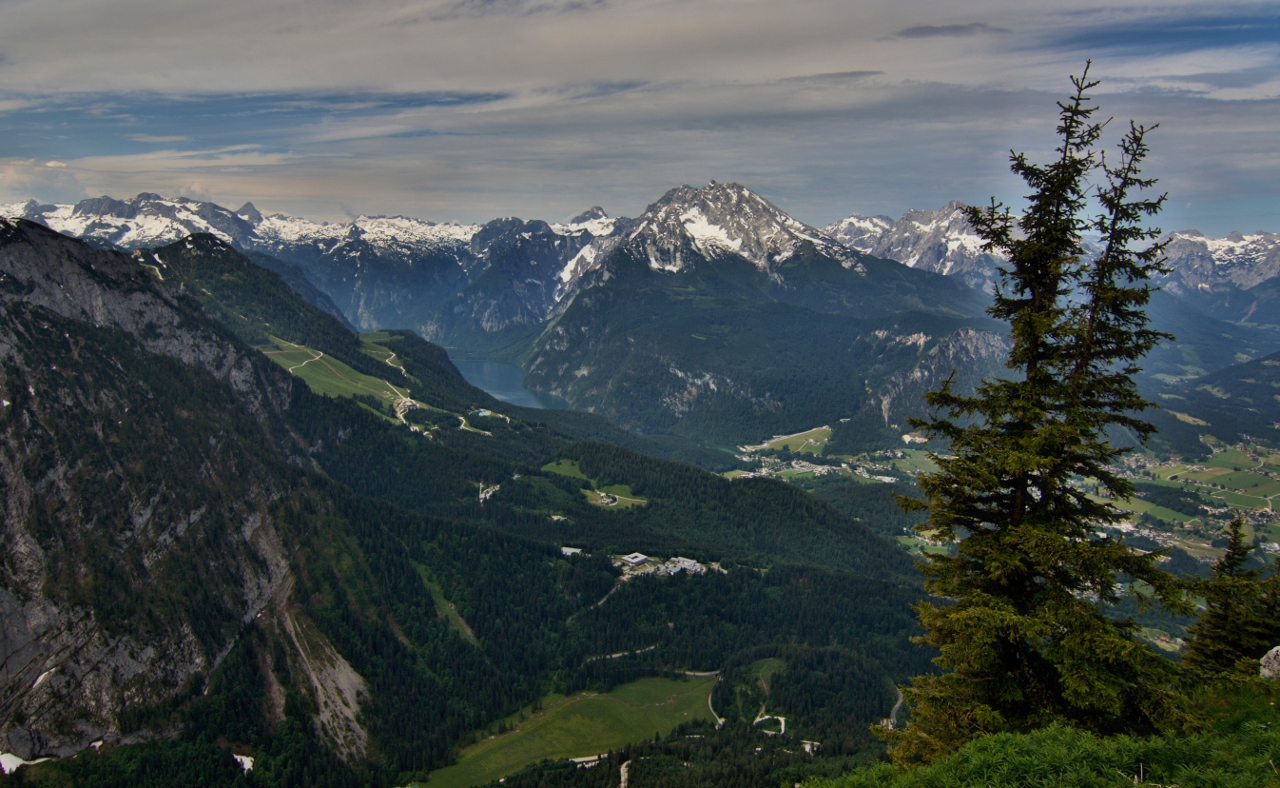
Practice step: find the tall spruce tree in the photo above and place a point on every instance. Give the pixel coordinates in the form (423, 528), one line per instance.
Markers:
(1241, 617)
(1022, 621)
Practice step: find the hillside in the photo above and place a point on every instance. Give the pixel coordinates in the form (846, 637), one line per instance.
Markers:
(217, 560)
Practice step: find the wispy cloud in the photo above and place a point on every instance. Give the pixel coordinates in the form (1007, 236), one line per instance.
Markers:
(948, 31)
(463, 9)
(157, 138)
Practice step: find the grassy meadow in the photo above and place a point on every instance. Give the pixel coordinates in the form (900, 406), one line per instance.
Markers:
(582, 725)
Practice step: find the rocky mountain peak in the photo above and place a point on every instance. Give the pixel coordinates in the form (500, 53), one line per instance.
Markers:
(591, 214)
(723, 219)
(250, 213)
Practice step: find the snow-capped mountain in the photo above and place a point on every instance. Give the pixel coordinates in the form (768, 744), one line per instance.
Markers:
(379, 270)
(152, 220)
(715, 222)
(720, 219)
(941, 241)
(1229, 278)
(143, 221)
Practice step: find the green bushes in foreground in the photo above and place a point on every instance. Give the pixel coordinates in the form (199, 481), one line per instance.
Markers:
(1060, 756)
(1241, 749)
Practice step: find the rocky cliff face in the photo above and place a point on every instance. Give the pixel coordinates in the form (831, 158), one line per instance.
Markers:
(518, 287)
(142, 453)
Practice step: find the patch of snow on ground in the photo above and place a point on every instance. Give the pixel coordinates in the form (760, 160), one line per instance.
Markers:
(9, 762)
(245, 761)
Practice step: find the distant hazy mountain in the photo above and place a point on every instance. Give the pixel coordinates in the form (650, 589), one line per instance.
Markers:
(941, 241)
(1232, 278)
(378, 270)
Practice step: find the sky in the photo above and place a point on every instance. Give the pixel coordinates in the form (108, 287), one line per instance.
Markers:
(469, 110)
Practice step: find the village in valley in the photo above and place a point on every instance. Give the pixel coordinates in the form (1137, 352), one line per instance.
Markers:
(1177, 505)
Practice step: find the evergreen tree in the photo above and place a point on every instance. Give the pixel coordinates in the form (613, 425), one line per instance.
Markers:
(1021, 620)
(1239, 623)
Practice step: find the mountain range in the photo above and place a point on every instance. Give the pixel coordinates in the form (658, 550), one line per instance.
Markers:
(713, 314)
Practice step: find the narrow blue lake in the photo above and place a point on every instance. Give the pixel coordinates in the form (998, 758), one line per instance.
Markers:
(505, 382)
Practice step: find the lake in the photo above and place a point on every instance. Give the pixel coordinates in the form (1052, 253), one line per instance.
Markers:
(505, 382)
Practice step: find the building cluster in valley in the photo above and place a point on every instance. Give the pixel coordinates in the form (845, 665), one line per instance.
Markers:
(635, 564)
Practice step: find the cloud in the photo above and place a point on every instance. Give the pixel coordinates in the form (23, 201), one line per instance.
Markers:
(480, 8)
(157, 138)
(948, 31)
(470, 109)
(841, 76)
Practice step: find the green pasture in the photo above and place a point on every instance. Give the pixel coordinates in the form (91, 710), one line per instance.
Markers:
(916, 546)
(762, 670)
(916, 460)
(1245, 501)
(565, 468)
(1168, 472)
(626, 498)
(812, 441)
(1231, 458)
(1211, 475)
(1140, 506)
(326, 375)
(373, 344)
(1249, 484)
(580, 726)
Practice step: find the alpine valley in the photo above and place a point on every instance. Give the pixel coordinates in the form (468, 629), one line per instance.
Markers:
(259, 530)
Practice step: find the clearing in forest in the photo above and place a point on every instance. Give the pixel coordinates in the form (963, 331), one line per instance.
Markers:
(613, 496)
(582, 725)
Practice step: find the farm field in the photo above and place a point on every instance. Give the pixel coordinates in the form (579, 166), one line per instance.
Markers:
(580, 726)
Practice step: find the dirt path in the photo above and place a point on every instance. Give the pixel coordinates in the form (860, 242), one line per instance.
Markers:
(318, 355)
(893, 715)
